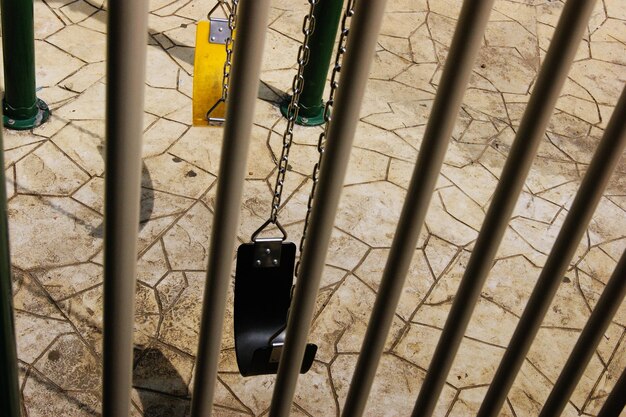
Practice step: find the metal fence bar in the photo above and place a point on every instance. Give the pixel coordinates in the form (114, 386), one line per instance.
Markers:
(589, 339)
(616, 401)
(9, 382)
(126, 63)
(467, 39)
(550, 79)
(598, 174)
(364, 30)
(251, 23)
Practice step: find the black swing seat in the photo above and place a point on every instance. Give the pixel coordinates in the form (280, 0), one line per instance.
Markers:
(263, 283)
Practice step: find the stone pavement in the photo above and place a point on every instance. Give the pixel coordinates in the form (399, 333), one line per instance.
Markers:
(55, 185)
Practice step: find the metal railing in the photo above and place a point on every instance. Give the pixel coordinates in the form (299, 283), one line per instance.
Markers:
(126, 68)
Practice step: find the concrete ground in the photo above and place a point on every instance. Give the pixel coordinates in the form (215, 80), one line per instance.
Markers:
(55, 185)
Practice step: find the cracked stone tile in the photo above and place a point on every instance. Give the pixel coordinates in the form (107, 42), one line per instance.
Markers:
(48, 171)
(513, 34)
(66, 281)
(536, 208)
(161, 70)
(341, 325)
(475, 181)
(28, 296)
(519, 73)
(395, 387)
(200, 146)
(550, 351)
(182, 322)
(469, 401)
(419, 76)
(88, 106)
(78, 11)
(366, 166)
(344, 251)
(598, 265)
(160, 24)
(171, 174)
(183, 35)
(152, 230)
(370, 212)
(184, 56)
(608, 379)
(84, 310)
(152, 266)
(44, 399)
(616, 10)
(87, 76)
(96, 22)
(80, 42)
(54, 96)
(510, 283)
(162, 101)
(387, 66)
(46, 22)
(603, 226)
(443, 225)
(161, 369)
(10, 183)
(398, 46)
(14, 155)
(254, 393)
(314, 392)
(489, 103)
(418, 345)
(83, 141)
(461, 207)
(569, 308)
(606, 82)
(280, 51)
(439, 254)
(37, 225)
(530, 391)
(419, 279)
(422, 48)
(187, 242)
(157, 404)
(583, 109)
(34, 334)
(169, 288)
(70, 365)
(592, 290)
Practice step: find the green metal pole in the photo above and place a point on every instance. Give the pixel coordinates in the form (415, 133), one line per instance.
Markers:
(22, 109)
(327, 14)
(9, 386)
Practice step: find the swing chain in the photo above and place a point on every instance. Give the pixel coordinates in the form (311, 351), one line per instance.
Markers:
(321, 142)
(308, 26)
(231, 11)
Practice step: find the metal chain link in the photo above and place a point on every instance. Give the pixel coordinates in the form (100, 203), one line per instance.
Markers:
(308, 26)
(231, 10)
(321, 142)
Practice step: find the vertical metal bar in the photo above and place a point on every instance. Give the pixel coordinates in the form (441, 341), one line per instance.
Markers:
(22, 109)
(602, 165)
(616, 401)
(364, 30)
(9, 382)
(467, 39)
(550, 79)
(126, 64)
(251, 23)
(589, 339)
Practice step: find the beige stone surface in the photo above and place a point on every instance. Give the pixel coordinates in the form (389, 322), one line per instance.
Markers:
(55, 184)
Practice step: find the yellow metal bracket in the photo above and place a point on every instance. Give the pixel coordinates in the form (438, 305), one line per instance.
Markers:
(208, 73)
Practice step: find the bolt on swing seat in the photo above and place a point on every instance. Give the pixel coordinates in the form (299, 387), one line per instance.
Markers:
(263, 285)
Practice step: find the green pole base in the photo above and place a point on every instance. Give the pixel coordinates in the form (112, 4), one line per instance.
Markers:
(19, 123)
(307, 116)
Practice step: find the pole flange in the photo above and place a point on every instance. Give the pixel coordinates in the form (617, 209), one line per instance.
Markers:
(307, 116)
(14, 119)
